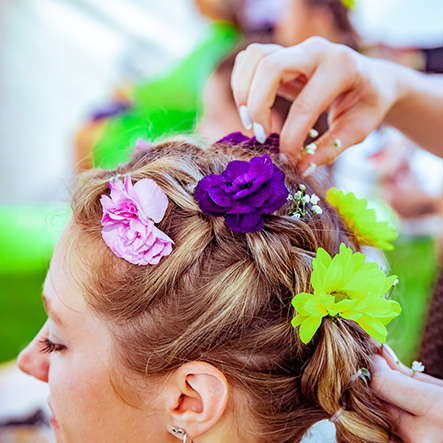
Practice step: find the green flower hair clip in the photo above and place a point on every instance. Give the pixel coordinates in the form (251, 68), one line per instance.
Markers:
(347, 287)
(349, 3)
(362, 221)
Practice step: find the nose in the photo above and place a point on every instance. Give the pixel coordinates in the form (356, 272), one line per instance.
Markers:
(32, 361)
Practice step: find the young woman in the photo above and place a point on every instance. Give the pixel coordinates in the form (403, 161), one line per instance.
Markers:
(170, 302)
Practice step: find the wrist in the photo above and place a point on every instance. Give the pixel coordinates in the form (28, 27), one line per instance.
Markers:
(405, 83)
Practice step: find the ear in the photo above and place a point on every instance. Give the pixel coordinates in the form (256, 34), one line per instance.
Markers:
(197, 395)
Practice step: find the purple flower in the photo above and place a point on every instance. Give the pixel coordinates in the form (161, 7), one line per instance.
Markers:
(243, 192)
(237, 138)
(128, 221)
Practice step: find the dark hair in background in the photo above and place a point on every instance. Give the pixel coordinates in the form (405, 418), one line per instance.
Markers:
(234, 11)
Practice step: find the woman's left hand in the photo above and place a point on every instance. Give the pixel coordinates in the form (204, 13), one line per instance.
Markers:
(415, 404)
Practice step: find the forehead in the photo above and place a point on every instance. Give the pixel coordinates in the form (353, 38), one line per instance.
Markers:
(60, 290)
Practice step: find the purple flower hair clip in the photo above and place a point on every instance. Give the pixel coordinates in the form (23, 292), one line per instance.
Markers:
(243, 192)
(128, 221)
(237, 138)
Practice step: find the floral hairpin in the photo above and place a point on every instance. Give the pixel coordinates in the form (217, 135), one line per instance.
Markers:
(298, 203)
(272, 143)
(347, 287)
(243, 193)
(362, 221)
(128, 221)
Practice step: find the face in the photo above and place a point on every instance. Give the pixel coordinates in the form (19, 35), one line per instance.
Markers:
(72, 353)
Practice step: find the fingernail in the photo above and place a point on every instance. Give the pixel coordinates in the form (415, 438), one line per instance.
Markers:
(259, 132)
(386, 348)
(310, 170)
(244, 116)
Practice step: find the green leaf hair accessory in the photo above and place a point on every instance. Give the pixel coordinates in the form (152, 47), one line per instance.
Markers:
(347, 287)
(349, 3)
(361, 220)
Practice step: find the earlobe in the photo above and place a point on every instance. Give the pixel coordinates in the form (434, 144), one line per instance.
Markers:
(201, 396)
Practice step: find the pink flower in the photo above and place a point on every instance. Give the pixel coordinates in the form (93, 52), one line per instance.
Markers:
(128, 221)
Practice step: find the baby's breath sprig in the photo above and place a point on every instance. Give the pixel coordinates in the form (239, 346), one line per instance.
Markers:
(310, 149)
(299, 202)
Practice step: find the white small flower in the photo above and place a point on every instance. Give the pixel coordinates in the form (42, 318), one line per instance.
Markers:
(298, 195)
(337, 143)
(313, 133)
(395, 282)
(295, 215)
(302, 188)
(311, 148)
(316, 210)
(417, 366)
(314, 199)
(290, 198)
(306, 199)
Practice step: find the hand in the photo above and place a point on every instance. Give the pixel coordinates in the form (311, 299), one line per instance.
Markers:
(415, 405)
(316, 75)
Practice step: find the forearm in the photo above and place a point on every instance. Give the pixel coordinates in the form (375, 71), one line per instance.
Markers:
(418, 111)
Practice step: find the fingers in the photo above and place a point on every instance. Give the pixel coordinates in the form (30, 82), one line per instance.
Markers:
(283, 67)
(317, 95)
(403, 423)
(401, 391)
(395, 364)
(244, 69)
(348, 130)
(263, 70)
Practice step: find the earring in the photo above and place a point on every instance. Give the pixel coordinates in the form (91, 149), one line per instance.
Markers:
(179, 431)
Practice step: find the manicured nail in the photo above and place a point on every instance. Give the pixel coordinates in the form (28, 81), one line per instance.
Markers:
(259, 132)
(310, 170)
(386, 348)
(244, 116)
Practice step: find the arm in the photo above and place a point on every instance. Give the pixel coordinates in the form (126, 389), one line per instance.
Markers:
(418, 109)
(415, 405)
(359, 93)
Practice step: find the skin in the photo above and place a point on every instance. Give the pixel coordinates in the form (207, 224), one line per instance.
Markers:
(358, 92)
(84, 403)
(302, 20)
(415, 404)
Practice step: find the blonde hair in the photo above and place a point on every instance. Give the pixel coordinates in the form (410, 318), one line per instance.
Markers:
(225, 298)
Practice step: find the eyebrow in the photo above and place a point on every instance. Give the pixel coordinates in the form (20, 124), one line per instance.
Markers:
(54, 316)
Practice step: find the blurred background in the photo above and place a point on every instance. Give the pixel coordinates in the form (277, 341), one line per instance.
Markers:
(82, 81)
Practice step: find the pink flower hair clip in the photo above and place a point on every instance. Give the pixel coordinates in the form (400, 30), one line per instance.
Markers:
(128, 221)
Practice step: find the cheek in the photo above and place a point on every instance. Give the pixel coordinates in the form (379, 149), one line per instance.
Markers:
(79, 393)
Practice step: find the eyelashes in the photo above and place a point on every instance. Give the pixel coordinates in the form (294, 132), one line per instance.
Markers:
(47, 346)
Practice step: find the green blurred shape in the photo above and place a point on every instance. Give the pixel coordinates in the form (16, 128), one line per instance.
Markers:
(28, 234)
(168, 104)
(415, 261)
(21, 310)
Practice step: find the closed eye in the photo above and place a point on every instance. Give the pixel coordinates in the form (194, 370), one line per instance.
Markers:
(47, 346)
